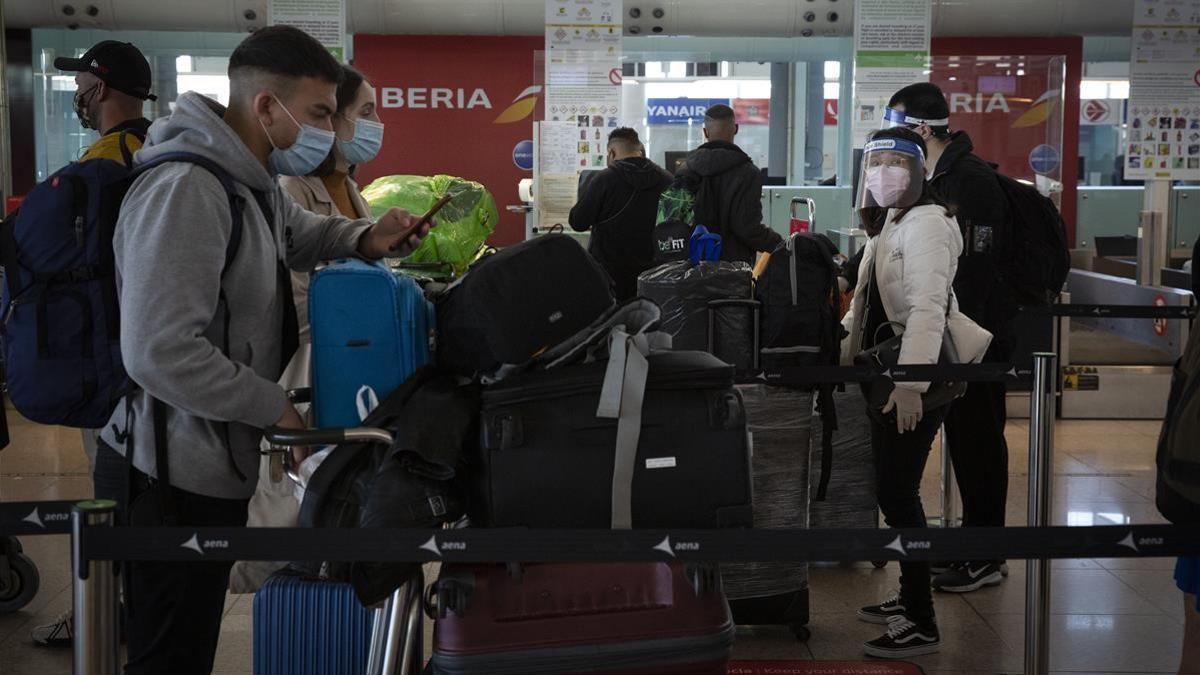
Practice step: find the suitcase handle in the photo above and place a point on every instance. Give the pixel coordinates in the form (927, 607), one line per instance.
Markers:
(812, 208)
(289, 438)
(715, 305)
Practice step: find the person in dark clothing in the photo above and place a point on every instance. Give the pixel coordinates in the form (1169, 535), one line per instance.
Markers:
(619, 205)
(975, 423)
(728, 190)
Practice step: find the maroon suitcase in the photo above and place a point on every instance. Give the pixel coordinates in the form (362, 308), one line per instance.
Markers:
(643, 618)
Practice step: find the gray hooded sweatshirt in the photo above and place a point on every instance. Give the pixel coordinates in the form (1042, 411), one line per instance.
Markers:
(170, 246)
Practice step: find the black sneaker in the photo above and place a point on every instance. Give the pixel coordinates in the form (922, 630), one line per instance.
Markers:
(969, 576)
(883, 612)
(904, 638)
(936, 568)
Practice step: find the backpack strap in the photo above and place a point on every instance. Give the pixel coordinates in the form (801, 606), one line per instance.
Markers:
(158, 408)
(236, 201)
(126, 153)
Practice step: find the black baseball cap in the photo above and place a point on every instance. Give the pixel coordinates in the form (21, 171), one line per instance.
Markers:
(120, 65)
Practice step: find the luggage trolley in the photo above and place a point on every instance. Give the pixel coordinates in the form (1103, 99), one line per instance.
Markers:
(397, 628)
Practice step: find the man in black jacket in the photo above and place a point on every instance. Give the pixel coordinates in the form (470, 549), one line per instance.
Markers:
(728, 190)
(619, 205)
(975, 423)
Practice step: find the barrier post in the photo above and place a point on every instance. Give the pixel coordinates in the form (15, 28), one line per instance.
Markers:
(95, 594)
(1041, 477)
(949, 496)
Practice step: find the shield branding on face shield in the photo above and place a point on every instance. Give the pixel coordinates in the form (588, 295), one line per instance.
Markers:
(893, 174)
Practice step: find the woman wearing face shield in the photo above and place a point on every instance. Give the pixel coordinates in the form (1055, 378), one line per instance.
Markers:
(904, 288)
(326, 190)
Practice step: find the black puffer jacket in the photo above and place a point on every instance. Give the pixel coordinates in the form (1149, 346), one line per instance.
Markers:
(731, 204)
(619, 206)
(968, 184)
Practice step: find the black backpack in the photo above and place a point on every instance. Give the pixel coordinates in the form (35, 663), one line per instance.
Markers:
(1038, 262)
(801, 303)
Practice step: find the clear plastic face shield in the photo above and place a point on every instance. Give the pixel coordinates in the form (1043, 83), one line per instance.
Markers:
(898, 118)
(893, 174)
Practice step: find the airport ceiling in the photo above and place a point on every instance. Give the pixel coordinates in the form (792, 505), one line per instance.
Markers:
(712, 18)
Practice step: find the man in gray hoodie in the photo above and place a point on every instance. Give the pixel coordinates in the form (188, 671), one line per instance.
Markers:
(206, 340)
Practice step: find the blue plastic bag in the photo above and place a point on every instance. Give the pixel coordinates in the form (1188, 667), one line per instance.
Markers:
(704, 246)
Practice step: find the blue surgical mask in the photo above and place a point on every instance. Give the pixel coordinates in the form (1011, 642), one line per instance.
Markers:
(311, 148)
(364, 146)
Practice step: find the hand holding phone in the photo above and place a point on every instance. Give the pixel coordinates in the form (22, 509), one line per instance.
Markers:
(425, 220)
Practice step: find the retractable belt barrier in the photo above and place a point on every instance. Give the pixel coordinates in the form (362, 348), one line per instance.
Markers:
(1114, 311)
(729, 545)
(26, 518)
(498, 544)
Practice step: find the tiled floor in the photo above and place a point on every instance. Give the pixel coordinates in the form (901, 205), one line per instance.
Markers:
(1108, 616)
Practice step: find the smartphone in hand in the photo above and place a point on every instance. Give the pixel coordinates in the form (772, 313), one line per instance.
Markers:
(425, 220)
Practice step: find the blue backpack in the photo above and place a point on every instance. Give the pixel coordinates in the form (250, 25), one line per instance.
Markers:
(61, 323)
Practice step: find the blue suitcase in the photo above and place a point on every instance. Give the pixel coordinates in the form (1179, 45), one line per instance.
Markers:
(371, 329)
(309, 626)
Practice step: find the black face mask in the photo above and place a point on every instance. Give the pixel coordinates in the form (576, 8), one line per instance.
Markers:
(83, 108)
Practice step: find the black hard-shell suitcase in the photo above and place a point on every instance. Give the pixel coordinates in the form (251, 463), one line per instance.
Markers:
(548, 461)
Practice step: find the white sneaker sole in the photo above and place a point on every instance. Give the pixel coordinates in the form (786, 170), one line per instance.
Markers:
(990, 580)
(880, 619)
(916, 650)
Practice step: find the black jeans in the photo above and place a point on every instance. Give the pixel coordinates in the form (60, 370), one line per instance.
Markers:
(173, 609)
(979, 452)
(899, 465)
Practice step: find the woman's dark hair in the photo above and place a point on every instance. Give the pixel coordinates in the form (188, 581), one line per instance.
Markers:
(347, 91)
(874, 217)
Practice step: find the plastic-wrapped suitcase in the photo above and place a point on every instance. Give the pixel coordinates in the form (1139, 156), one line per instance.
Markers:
(775, 593)
(629, 618)
(304, 625)
(547, 460)
(850, 496)
(371, 329)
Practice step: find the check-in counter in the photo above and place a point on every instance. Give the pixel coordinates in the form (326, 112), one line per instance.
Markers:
(1113, 211)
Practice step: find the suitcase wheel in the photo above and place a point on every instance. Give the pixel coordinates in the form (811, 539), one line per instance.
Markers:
(446, 596)
(801, 632)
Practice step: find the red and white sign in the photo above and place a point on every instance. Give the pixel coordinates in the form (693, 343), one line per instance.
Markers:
(752, 110)
(831, 112)
(461, 113)
(1095, 111)
(1160, 325)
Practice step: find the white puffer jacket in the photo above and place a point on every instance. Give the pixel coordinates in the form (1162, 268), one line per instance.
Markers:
(915, 261)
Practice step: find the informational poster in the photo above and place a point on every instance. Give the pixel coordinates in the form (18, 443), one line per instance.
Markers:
(582, 96)
(584, 26)
(558, 171)
(891, 50)
(1164, 91)
(325, 20)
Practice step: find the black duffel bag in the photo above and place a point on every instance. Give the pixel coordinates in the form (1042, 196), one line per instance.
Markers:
(518, 302)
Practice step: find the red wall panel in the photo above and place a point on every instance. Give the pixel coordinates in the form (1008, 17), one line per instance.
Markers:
(1007, 136)
(456, 105)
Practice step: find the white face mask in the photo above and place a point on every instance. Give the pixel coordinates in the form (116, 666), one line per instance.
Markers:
(365, 144)
(310, 148)
(887, 183)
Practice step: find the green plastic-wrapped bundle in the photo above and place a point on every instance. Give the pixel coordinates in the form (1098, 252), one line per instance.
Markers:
(462, 225)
